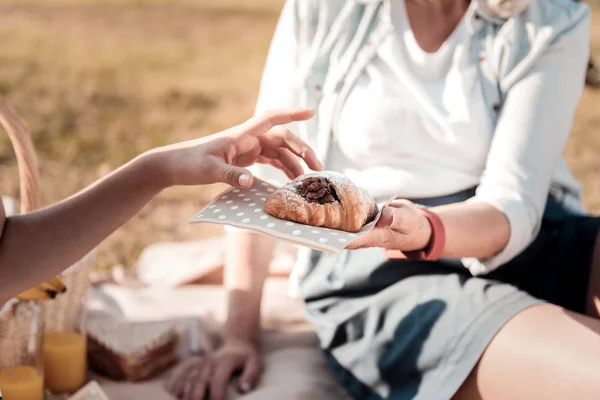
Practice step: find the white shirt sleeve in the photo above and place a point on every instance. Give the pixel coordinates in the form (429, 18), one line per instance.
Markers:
(529, 139)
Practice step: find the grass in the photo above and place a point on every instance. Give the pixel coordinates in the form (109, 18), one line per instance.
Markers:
(100, 81)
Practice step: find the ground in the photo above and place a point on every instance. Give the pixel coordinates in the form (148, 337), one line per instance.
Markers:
(100, 81)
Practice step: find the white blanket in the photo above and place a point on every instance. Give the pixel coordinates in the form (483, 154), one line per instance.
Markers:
(294, 366)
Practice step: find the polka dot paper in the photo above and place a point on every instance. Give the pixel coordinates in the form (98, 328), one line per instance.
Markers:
(244, 208)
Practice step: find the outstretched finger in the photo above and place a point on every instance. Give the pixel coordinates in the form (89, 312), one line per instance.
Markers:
(262, 123)
(281, 137)
(277, 164)
(286, 157)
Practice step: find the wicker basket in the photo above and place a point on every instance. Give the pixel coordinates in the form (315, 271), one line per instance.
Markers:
(62, 313)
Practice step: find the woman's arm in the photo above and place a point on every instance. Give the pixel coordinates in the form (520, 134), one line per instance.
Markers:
(39, 245)
(468, 232)
(247, 259)
(472, 229)
(530, 136)
(505, 214)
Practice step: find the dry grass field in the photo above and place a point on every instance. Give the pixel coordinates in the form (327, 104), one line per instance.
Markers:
(100, 81)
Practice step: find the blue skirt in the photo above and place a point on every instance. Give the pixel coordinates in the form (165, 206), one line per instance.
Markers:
(415, 329)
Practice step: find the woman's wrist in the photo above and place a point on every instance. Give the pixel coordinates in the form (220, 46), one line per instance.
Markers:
(430, 240)
(241, 329)
(239, 337)
(422, 234)
(436, 242)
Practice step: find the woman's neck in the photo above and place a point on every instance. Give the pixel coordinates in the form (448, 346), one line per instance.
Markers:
(441, 5)
(433, 21)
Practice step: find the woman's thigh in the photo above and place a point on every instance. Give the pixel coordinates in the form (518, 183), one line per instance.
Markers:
(544, 352)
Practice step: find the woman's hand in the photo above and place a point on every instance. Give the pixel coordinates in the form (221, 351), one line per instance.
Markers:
(400, 227)
(222, 157)
(211, 374)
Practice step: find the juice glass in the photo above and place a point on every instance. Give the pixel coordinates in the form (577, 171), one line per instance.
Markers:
(21, 362)
(65, 356)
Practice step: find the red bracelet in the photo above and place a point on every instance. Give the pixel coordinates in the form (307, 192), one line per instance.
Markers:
(434, 249)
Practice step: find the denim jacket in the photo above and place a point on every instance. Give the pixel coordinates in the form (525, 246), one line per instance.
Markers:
(321, 47)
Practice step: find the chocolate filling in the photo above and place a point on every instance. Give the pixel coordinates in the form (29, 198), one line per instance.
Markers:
(318, 190)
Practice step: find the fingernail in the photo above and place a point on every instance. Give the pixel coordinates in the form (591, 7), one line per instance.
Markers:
(244, 180)
(245, 387)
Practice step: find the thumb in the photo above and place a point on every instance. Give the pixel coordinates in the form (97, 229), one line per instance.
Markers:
(386, 219)
(235, 176)
(250, 374)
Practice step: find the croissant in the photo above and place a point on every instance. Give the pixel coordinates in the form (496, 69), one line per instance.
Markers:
(324, 199)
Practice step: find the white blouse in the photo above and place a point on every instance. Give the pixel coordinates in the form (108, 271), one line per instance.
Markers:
(413, 124)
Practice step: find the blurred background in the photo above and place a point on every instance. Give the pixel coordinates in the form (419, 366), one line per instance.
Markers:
(100, 81)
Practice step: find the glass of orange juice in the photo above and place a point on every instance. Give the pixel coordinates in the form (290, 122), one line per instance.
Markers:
(21, 362)
(65, 356)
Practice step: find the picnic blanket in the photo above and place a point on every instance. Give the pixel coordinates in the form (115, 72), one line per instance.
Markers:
(294, 367)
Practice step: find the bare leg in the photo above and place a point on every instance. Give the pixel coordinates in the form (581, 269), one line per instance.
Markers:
(593, 306)
(545, 352)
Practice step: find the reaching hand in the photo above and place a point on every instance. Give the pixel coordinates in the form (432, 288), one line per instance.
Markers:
(208, 377)
(222, 157)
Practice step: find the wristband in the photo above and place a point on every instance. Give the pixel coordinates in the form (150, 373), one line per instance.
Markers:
(434, 249)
